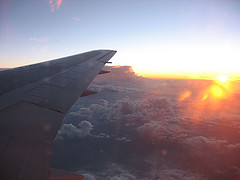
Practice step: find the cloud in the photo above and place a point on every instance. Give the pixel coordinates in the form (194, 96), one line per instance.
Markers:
(88, 176)
(201, 143)
(116, 172)
(38, 39)
(234, 147)
(55, 4)
(70, 131)
(112, 171)
(176, 174)
(75, 18)
(152, 119)
(124, 139)
(119, 74)
(157, 134)
(101, 135)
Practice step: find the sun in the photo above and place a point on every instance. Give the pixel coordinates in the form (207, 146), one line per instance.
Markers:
(222, 78)
(221, 88)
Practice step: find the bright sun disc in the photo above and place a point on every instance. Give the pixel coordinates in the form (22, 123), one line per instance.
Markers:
(222, 78)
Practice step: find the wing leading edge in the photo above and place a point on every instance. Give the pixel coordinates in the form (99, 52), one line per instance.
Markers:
(33, 103)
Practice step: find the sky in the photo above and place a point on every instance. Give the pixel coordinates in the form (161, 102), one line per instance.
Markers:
(172, 38)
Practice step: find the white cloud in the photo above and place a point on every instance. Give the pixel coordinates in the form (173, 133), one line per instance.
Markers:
(117, 172)
(69, 130)
(88, 176)
(177, 174)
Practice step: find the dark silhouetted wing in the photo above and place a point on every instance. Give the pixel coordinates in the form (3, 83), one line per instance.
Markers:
(33, 103)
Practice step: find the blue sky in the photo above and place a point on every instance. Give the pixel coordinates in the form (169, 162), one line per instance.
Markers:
(153, 36)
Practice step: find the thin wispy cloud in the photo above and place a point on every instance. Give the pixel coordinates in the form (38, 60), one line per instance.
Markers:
(75, 18)
(38, 39)
(55, 4)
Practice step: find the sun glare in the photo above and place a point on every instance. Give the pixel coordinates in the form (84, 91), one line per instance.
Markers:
(217, 91)
(220, 89)
(222, 78)
(185, 95)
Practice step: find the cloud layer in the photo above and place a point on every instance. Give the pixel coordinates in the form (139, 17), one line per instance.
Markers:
(136, 128)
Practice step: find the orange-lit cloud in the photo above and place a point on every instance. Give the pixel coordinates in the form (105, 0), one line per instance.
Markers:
(209, 97)
(38, 39)
(75, 18)
(130, 70)
(55, 4)
(116, 66)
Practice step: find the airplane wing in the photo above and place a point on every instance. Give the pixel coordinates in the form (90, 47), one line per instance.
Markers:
(33, 102)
